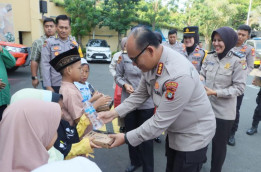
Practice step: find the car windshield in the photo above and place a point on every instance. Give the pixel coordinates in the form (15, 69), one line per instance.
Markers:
(97, 43)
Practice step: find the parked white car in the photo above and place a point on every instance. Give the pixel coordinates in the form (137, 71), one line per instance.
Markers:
(98, 50)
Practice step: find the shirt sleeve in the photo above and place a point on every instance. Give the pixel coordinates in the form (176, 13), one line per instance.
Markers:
(112, 66)
(203, 68)
(138, 97)
(45, 65)
(169, 109)
(238, 83)
(119, 77)
(36, 51)
(250, 60)
(8, 58)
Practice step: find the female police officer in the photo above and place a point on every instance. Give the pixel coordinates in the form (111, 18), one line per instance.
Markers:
(224, 74)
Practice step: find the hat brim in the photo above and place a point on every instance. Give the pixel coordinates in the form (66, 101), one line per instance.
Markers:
(255, 72)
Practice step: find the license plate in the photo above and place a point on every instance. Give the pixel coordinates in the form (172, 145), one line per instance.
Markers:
(99, 57)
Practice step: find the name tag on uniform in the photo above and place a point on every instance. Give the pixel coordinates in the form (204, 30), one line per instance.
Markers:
(210, 63)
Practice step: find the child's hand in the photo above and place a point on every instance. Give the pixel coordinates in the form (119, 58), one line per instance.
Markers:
(104, 100)
(96, 95)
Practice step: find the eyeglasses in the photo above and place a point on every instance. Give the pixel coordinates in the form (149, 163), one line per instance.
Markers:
(134, 59)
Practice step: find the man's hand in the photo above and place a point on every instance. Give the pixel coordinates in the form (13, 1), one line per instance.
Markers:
(107, 116)
(210, 91)
(93, 145)
(35, 83)
(118, 139)
(2, 84)
(201, 78)
(128, 88)
(1, 49)
(96, 95)
(50, 89)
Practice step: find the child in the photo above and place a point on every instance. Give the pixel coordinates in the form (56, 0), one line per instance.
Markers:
(87, 90)
(69, 65)
(68, 141)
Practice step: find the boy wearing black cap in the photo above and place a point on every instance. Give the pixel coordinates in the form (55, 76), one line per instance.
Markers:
(191, 50)
(69, 65)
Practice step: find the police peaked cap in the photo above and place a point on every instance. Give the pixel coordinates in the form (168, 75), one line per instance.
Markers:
(190, 31)
(65, 59)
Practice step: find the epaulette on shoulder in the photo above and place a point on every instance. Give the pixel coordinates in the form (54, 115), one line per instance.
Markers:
(211, 52)
(238, 54)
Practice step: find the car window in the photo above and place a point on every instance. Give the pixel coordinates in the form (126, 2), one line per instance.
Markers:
(250, 43)
(258, 45)
(97, 43)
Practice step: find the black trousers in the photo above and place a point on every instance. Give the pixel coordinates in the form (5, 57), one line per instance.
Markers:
(236, 122)
(56, 89)
(257, 112)
(143, 153)
(2, 108)
(219, 144)
(178, 161)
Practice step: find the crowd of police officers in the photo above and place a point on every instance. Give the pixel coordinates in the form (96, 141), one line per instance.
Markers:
(49, 46)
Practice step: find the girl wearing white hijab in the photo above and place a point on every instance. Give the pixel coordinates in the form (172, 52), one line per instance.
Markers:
(28, 129)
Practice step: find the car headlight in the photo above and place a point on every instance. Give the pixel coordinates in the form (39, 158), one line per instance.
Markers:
(14, 49)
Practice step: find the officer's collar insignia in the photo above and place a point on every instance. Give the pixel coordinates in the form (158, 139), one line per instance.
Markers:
(196, 49)
(160, 69)
(227, 66)
(74, 42)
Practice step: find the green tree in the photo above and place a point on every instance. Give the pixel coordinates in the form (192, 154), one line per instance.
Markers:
(85, 16)
(154, 13)
(118, 15)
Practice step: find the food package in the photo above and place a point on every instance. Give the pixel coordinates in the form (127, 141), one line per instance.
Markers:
(100, 139)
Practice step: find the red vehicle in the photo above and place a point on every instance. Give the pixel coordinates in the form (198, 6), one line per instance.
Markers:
(19, 51)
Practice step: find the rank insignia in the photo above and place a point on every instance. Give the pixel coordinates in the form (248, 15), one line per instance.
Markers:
(227, 66)
(119, 60)
(44, 44)
(171, 88)
(160, 68)
(56, 53)
(196, 49)
(253, 52)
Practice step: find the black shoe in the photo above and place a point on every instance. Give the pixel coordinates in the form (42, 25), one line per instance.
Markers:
(132, 168)
(122, 129)
(157, 139)
(231, 140)
(252, 130)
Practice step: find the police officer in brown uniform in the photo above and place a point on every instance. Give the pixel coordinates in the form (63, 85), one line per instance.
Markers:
(183, 108)
(244, 51)
(54, 46)
(191, 49)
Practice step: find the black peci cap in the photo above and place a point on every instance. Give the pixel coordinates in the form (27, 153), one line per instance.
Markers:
(65, 59)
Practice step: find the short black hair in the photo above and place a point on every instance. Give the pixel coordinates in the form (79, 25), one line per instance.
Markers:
(158, 35)
(62, 17)
(48, 20)
(245, 28)
(144, 36)
(172, 31)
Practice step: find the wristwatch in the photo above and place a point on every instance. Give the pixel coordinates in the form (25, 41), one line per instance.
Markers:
(34, 77)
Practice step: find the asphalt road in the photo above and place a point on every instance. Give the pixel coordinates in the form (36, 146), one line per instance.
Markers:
(244, 157)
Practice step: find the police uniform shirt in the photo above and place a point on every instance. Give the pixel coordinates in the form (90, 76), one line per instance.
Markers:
(227, 77)
(177, 46)
(249, 53)
(52, 47)
(183, 108)
(126, 72)
(196, 57)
